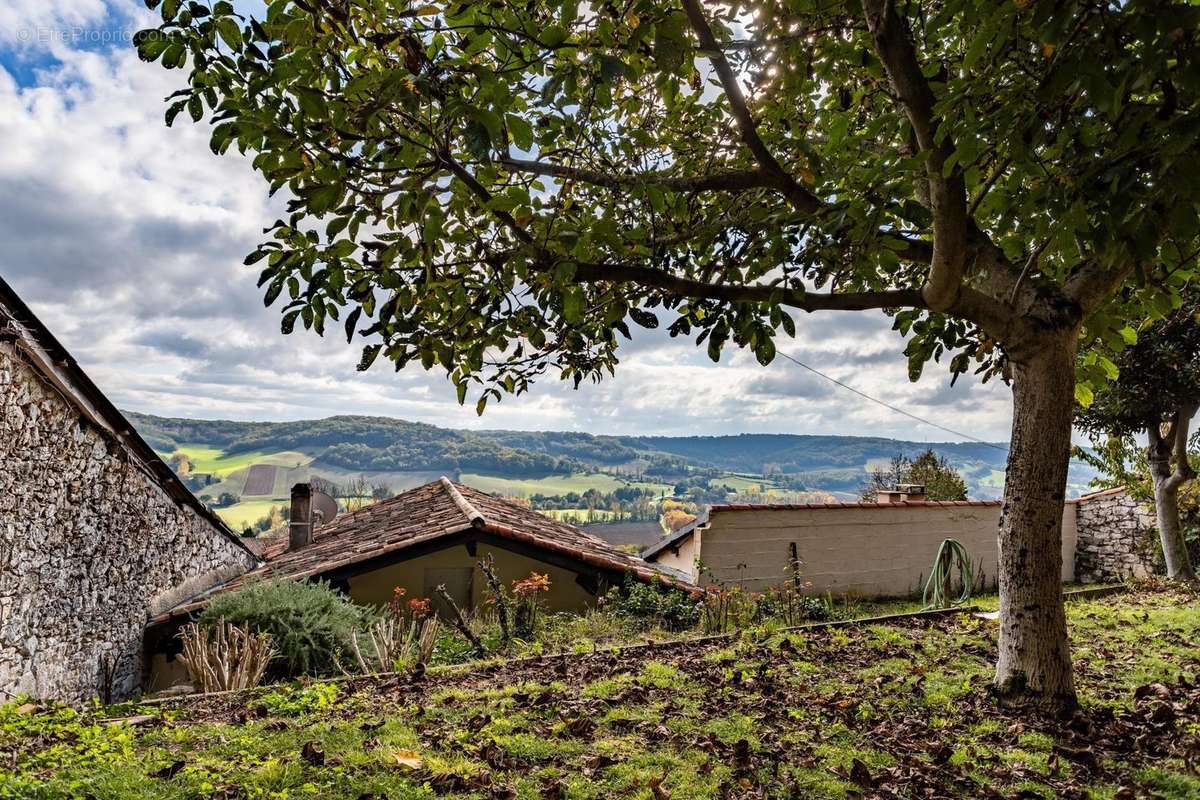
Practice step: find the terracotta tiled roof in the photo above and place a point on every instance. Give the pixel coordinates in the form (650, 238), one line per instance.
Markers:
(435, 510)
(1098, 494)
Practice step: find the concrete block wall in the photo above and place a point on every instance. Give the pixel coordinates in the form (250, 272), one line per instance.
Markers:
(859, 549)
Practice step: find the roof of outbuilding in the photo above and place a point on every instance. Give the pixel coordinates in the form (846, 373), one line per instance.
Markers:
(47, 356)
(424, 514)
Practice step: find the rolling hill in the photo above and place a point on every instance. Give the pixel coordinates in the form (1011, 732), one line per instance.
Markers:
(525, 463)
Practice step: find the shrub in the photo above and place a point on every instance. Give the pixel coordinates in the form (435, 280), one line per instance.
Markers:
(309, 623)
(670, 608)
(224, 657)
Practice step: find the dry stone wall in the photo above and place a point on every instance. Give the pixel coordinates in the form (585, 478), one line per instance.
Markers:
(89, 546)
(1116, 538)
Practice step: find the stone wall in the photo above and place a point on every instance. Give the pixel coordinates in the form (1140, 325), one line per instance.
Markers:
(1116, 538)
(90, 546)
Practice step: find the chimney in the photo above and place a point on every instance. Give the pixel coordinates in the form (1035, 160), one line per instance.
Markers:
(300, 529)
(903, 493)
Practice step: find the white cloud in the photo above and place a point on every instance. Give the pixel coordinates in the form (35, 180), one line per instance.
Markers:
(128, 237)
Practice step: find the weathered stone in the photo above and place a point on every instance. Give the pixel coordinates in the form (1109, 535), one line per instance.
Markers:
(83, 546)
(1115, 538)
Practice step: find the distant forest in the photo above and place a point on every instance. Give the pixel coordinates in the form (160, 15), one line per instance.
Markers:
(830, 463)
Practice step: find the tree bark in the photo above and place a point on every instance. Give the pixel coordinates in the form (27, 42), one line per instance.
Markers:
(1034, 663)
(1166, 482)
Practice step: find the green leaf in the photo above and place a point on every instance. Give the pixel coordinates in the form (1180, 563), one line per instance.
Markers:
(230, 33)
(369, 354)
(1084, 395)
(488, 119)
(521, 131)
(574, 305)
(352, 321)
(477, 140)
(553, 36)
(765, 351)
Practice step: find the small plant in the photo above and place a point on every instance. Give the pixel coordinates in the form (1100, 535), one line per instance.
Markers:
(224, 657)
(728, 608)
(788, 602)
(309, 623)
(390, 644)
(487, 567)
(526, 616)
(294, 701)
(670, 608)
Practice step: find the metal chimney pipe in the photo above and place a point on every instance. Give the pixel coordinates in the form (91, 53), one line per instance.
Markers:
(300, 528)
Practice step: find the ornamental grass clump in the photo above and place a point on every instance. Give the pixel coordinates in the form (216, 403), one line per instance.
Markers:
(224, 657)
(310, 624)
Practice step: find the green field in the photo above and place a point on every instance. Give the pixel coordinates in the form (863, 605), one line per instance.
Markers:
(247, 512)
(214, 461)
(553, 484)
(578, 516)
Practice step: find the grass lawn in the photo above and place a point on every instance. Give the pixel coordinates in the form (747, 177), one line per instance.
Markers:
(897, 710)
(553, 484)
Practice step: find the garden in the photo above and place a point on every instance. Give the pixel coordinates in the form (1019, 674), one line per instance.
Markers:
(900, 708)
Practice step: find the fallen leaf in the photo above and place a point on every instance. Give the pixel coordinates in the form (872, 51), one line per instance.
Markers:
(169, 771)
(860, 774)
(554, 789)
(313, 754)
(502, 792)
(741, 754)
(409, 759)
(656, 787)
(581, 726)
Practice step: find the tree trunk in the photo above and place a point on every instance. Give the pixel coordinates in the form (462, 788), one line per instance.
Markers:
(1035, 659)
(1166, 500)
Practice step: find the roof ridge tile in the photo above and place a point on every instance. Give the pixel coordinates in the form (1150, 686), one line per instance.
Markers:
(473, 515)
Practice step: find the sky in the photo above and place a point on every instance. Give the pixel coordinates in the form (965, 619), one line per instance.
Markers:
(127, 239)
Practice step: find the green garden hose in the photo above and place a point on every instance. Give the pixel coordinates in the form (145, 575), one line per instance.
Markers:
(951, 555)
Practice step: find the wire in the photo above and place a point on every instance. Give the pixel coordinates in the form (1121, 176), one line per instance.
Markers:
(889, 406)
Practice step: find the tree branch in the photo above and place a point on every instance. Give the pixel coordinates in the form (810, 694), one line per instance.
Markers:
(802, 199)
(743, 293)
(947, 195)
(1090, 284)
(689, 287)
(734, 180)
(1179, 430)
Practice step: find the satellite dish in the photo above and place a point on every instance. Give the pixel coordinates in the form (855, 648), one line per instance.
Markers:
(324, 509)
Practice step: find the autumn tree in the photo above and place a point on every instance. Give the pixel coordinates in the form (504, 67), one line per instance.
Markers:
(941, 481)
(181, 464)
(1157, 391)
(506, 189)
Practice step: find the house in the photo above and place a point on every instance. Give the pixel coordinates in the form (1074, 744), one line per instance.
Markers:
(97, 534)
(430, 536)
(104, 552)
(887, 548)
